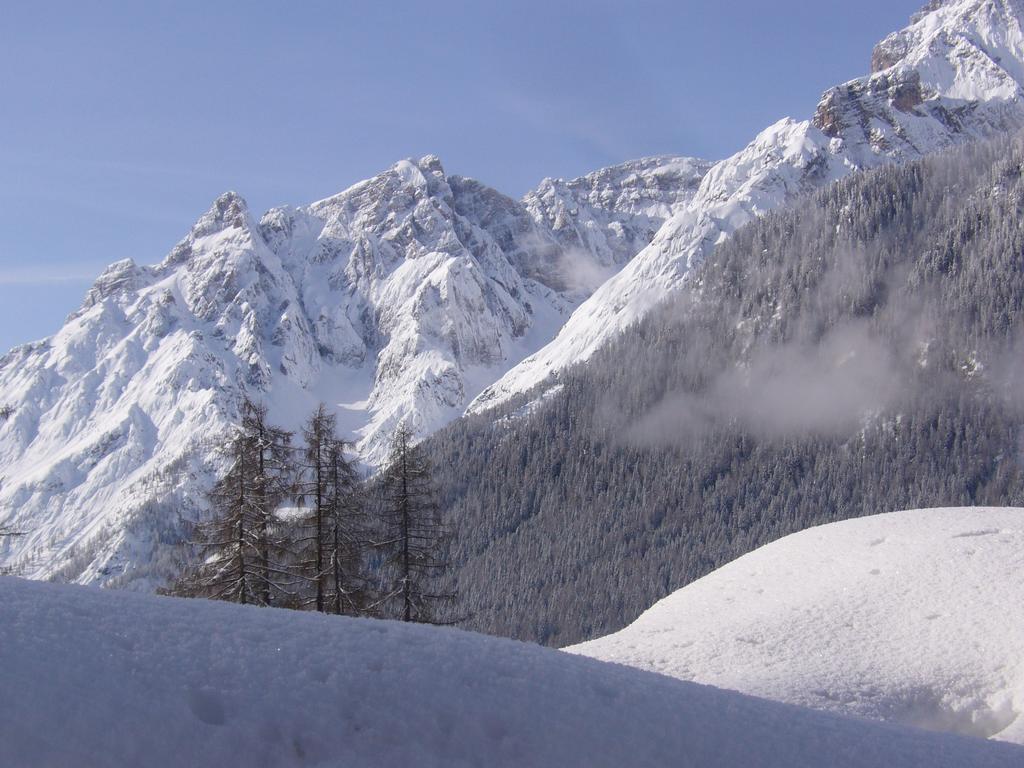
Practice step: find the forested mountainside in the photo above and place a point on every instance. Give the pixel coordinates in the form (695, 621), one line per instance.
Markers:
(856, 353)
(955, 74)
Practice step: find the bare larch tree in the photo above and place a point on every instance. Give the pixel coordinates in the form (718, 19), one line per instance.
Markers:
(237, 542)
(414, 537)
(332, 547)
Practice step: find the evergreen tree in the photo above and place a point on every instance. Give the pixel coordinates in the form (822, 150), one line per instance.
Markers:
(415, 540)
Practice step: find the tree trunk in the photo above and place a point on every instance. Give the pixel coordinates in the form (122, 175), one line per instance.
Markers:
(241, 535)
(319, 529)
(406, 585)
(264, 519)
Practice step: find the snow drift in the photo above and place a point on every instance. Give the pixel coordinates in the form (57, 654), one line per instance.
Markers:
(909, 617)
(100, 678)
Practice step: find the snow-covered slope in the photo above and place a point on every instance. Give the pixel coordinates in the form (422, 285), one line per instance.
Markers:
(953, 75)
(104, 678)
(910, 617)
(397, 299)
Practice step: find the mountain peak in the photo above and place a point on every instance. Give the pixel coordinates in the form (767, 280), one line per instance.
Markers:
(927, 8)
(953, 55)
(964, 49)
(426, 174)
(228, 210)
(431, 164)
(120, 276)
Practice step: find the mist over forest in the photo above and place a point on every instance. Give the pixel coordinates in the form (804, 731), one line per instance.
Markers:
(853, 354)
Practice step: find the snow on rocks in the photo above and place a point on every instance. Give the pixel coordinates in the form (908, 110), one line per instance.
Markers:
(910, 617)
(111, 678)
(603, 219)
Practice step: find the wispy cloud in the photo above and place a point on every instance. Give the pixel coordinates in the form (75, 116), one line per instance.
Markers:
(786, 390)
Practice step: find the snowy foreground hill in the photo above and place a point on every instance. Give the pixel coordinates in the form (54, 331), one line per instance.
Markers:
(104, 678)
(910, 617)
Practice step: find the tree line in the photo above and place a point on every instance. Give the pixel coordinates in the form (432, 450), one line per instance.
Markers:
(292, 524)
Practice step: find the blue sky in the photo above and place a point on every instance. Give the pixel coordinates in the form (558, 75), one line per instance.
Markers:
(122, 122)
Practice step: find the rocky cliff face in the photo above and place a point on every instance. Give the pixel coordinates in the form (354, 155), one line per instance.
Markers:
(605, 218)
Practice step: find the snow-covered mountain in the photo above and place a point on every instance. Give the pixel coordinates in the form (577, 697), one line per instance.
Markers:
(397, 299)
(955, 74)
(412, 294)
(909, 617)
(102, 678)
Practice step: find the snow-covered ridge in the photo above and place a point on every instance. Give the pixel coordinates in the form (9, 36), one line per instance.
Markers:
(955, 74)
(397, 299)
(910, 617)
(109, 678)
(605, 218)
